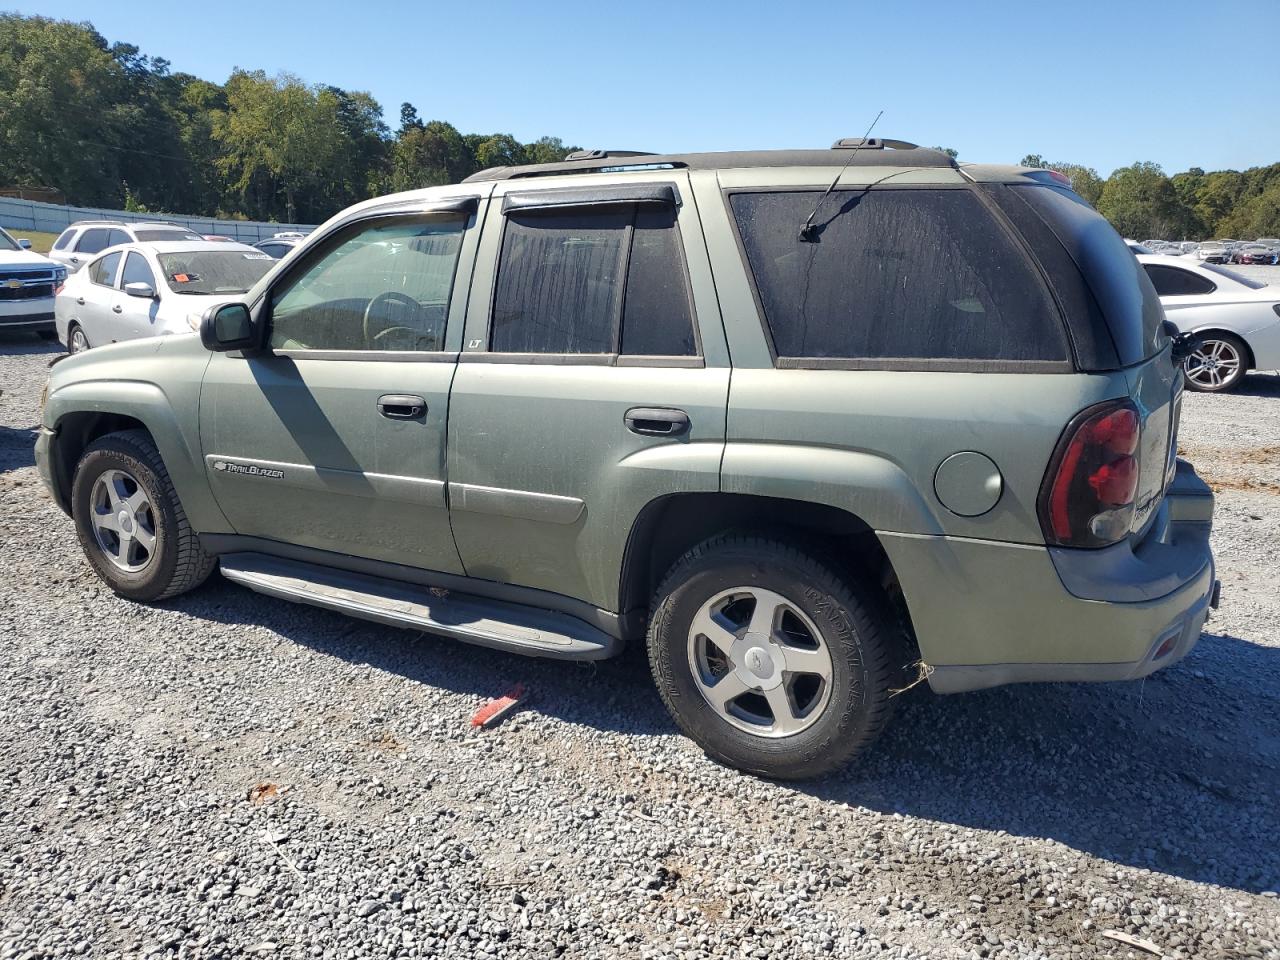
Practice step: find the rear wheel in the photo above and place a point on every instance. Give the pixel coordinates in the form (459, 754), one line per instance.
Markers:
(769, 660)
(77, 342)
(1218, 364)
(131, 525)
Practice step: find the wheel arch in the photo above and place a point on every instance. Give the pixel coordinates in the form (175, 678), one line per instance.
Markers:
(668, 526)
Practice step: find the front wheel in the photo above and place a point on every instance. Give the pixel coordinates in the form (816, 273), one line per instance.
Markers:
(1218, 364)
(131, 525)
(769, 660)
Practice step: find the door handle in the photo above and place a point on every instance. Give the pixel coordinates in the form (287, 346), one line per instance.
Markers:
(657, 421)
(117, 309)
(398, 406)
(75, 259)
(80, 300)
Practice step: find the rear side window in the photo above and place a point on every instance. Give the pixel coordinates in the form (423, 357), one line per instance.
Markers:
(64, 238)
(117, 237)
(895, 275)
(1173, 282)
(599, 281)
(103, 271)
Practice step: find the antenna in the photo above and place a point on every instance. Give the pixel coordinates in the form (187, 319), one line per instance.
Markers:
(808, 232)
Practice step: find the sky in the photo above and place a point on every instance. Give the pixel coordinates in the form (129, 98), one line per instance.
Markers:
(1104, 84)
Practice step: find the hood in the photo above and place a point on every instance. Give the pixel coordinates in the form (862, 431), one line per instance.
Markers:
(25, 258)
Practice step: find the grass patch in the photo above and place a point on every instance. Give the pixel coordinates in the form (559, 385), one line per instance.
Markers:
(40, 242)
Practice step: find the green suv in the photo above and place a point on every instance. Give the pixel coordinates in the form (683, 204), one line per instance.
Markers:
(811, 425)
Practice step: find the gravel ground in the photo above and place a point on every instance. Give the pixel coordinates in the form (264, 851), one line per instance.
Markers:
(230, 775)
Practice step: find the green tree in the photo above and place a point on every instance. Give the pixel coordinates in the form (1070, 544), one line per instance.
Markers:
(949, 151)
(1033, 160)
(1140, 201)
(429, 155)
(547, 150)
(1084, 180)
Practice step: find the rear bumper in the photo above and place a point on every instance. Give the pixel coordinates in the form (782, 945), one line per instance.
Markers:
(988, 613)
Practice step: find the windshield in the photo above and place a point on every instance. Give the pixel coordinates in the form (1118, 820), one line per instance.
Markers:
(209, 272)
(1237, 277)
(7, 242)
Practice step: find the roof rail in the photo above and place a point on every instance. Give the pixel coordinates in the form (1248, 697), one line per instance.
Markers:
(605, 154)
(873, 143)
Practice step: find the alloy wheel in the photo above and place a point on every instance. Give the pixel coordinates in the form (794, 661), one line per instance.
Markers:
(1214, 365)
(123, 520)
(760, 662)
(79, 342)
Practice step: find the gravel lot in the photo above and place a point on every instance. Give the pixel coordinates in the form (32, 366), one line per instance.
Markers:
(1020, 822)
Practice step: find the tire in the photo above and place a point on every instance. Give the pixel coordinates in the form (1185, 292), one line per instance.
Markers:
(1218, 365)
(77, 342)
(717, 588)
(124, 472)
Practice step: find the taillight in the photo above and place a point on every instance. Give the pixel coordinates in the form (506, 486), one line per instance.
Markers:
(1089, 489)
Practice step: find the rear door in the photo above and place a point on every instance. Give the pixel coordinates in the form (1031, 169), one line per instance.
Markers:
(594, 380)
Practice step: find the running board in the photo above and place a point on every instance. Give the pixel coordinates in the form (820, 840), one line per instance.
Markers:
(490, 623)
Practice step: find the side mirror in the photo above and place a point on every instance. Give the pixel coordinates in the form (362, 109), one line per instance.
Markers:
(24, 243)
(139, 289)
(228, 326)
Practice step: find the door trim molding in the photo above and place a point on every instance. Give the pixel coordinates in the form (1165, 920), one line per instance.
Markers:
(519, 504)
(418, 491)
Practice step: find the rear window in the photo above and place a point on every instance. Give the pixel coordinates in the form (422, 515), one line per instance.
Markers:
(895, 275)
(147, 236)
(1119, 284)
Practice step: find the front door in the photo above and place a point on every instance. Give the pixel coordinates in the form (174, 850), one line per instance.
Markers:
(594, 381)
(135, 316)
(334, 437)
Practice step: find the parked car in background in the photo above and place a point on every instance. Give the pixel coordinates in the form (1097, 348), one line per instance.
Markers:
(1213, 251)
(152, 289)
(279, 246)
(681, 402)
(1238, 319)
(1254, 253)
(28, 283)
(83, 240)
(1136, 247)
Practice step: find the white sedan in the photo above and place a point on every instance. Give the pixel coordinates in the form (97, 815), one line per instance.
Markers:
(152, 289)
(1238, 319)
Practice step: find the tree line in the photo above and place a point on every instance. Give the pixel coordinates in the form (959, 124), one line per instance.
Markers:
(106, 125)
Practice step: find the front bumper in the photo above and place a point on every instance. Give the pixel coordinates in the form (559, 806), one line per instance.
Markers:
(988, 613)
(27, 314)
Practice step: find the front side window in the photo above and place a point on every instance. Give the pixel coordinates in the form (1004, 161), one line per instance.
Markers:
(136, 270)
(894, 274)
(381, 286)
(1174, 282)
(103, 270)
(606, 281)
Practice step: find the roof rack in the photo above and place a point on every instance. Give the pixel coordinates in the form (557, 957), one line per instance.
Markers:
(604, 154)
(874, 152)
(872, 143)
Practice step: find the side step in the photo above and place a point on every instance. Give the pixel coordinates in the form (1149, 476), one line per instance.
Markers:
(490, 623)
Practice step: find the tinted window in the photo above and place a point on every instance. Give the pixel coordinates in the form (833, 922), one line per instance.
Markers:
(656, 316)
(273, 250)
(63, 239)
(117, 237)
(136, 270)
(1120, 285)
(560, 282)
(894, 274)
(104, 271)
(561, 286)
(93, 240)
(1172, 282)
(384, 286)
